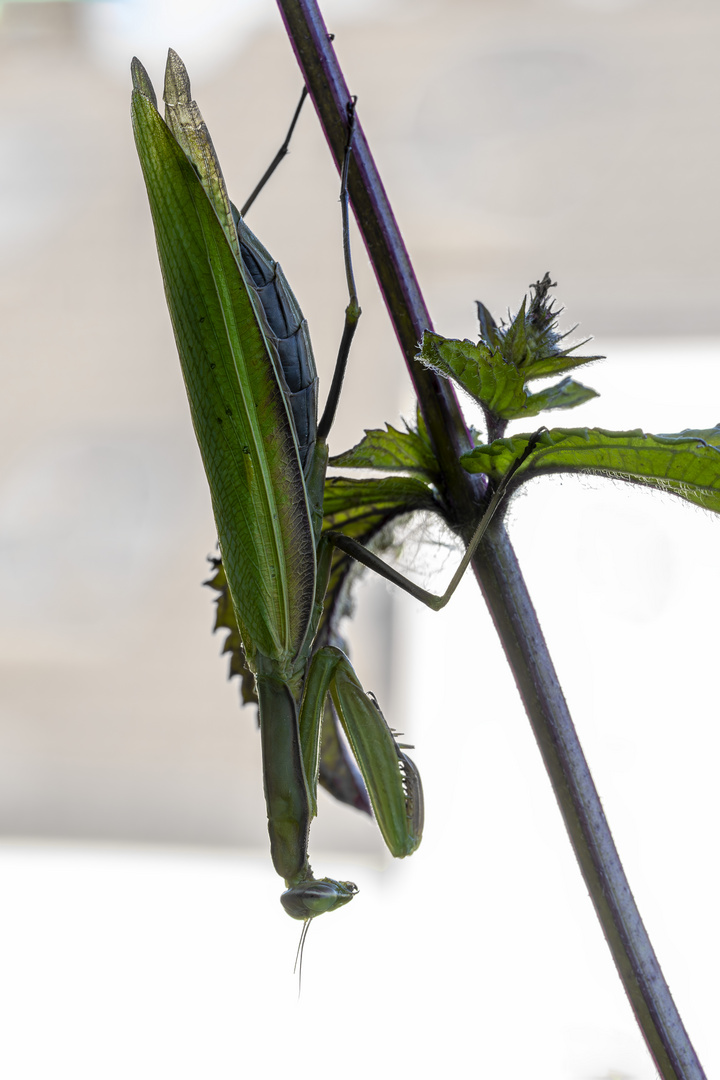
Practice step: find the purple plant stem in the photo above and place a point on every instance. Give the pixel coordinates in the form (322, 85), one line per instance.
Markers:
(497, 570)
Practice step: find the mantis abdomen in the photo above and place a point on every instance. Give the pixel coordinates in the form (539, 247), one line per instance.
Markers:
(290, 330)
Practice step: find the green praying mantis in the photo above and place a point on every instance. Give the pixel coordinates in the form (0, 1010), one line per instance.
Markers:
(252, 387)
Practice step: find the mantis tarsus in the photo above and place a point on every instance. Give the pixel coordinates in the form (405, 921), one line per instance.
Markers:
(265, 457)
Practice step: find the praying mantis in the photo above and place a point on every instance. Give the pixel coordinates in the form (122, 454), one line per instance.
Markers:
(252, 388)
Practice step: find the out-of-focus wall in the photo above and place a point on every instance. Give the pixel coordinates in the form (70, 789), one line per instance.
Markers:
(513, 137)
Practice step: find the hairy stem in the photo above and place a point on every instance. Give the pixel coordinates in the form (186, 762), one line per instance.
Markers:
(496, 569)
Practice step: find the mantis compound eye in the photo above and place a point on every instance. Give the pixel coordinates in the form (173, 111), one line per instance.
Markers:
(316, 896)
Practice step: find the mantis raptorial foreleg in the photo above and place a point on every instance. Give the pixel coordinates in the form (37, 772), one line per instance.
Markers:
(393, 784)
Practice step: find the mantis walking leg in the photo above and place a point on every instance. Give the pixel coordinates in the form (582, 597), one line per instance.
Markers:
(284, 149)
(373, 562)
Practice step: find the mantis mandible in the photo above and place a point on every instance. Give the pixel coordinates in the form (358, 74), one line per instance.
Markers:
(252, 387)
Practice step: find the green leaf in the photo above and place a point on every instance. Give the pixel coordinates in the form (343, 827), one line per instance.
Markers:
(531, 342)
(364, 509)
(513, 339)
(488, 327)
(540, 365)
(708, 435)
(686, 464)
(421, 428)
(495, 372)
(392, 450)
(563, 395)
(490, 378)
(352, 504)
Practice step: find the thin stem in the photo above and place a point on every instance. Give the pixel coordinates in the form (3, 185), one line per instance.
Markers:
(498, 573)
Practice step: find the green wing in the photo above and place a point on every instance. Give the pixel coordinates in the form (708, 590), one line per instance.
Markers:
(238, 409)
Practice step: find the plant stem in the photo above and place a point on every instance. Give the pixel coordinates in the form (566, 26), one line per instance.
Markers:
(497, 570)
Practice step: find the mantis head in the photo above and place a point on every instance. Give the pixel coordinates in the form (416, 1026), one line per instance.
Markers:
(315, 896)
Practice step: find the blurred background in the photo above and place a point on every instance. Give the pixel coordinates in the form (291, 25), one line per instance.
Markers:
(141, 928)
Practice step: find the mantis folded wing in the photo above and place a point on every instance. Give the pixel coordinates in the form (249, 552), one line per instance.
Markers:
(251, 383)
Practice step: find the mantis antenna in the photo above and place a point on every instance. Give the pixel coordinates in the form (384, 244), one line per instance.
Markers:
(299, 954)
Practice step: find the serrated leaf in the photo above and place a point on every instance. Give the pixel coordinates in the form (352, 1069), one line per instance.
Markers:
(555, 364)
(348, 502)
(421, 428)
(686, 464)
(390, 450)
(563, 395)
(487, 376)
(708, 435)
(488, 327)
(531, 340)
(513, 339)
(225, 619)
